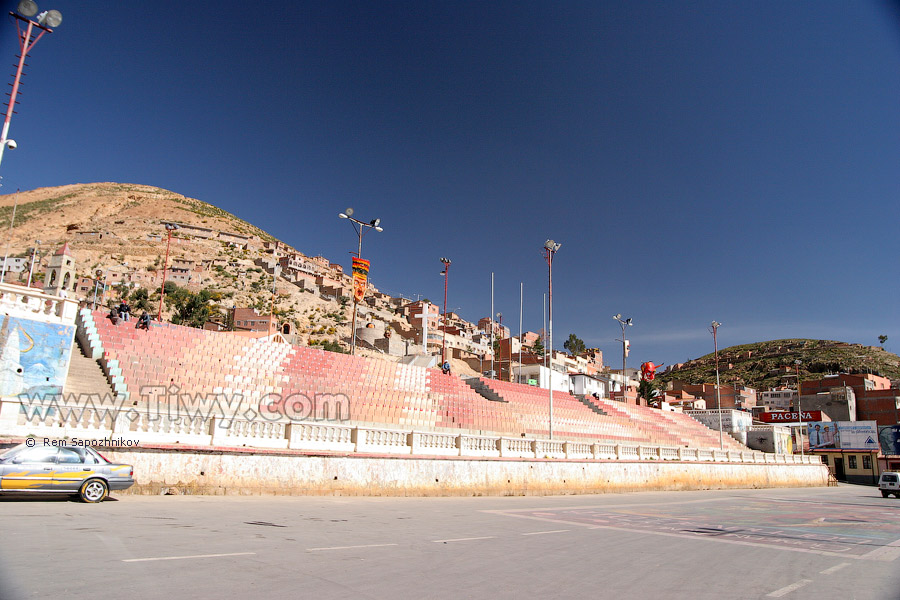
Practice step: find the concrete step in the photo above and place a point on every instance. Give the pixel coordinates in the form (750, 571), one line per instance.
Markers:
(85, 376)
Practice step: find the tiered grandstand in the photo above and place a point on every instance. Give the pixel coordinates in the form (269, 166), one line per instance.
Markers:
(378, 392)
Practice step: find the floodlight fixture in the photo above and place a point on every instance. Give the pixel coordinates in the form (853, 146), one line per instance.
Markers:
(11, 144)
(379, 229)
(50, 18)
(27, 8)
(349, 211)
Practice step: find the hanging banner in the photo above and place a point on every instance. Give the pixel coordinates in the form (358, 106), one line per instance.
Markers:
(360, 278)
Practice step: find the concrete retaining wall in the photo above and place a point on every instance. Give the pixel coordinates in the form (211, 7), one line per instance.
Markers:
(220, 472)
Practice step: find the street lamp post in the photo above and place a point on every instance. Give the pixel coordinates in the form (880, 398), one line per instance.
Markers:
(275, 271)
(170, 227)
(624, 323)
(550, 248)
(361, 228)
(44, 22)
(714, 329)
(34, 250)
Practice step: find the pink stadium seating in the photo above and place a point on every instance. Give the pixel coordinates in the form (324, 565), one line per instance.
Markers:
(381, 393)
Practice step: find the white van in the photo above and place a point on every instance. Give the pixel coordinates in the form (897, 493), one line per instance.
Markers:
(889, 483)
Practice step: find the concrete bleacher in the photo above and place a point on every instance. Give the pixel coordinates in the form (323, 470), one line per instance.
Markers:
(196, 362)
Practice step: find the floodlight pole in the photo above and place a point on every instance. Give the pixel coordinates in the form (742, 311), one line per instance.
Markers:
(361, 228)
(446, 274)
(170, 227)
(714, 329)
(624, 323)
(550, 248)
(26, 43)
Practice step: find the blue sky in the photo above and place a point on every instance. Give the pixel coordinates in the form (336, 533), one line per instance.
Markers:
(735, 161)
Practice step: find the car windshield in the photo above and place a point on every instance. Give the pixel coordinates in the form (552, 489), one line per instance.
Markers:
(9, 454)
(90, 456)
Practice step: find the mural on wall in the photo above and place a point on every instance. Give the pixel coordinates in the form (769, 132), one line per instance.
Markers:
(34, 356)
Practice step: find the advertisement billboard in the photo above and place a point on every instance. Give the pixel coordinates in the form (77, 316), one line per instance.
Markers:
(843, 435)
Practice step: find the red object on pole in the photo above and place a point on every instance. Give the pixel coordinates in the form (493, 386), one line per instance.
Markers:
(162, 291)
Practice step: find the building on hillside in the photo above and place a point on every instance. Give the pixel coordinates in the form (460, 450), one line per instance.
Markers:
(781, 398)
(500, 331)
(192, 230)
(736, 423)
(247, 319)
(681, 400)
(594, 358)
(876, 399)
(738, 397)
(16, 264)
(582, 384)
(529, 338)
(839, 403)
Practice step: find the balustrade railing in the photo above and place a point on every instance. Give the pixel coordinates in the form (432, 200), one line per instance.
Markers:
(61, 421)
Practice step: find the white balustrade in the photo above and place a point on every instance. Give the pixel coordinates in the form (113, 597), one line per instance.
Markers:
(478, 445)
(517, 448)
(60, 420)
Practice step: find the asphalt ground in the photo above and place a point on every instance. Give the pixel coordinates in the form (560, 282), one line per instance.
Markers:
(816, 543)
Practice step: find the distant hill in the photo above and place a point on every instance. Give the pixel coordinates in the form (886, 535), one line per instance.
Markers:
(762, 365)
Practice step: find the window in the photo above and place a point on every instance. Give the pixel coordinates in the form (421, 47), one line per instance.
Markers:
(851, 461)
(36, 455)
(867, 461)
(71, 456)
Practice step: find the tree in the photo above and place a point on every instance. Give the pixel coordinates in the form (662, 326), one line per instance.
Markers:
(574, 345)
(140, 299)
(649, 391)
(882, 339)
(538, 347)
(192, 309)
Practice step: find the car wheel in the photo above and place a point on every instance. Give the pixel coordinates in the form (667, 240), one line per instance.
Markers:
(93, 490)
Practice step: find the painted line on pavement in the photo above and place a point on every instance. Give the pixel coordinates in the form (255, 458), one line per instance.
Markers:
(350, 547)
(186, 557)
(834, 569)
(544, 532)
(789, 588)
(885, 553)
(487, 537)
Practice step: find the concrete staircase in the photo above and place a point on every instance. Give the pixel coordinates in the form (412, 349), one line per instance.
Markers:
(584, 400)
(85, 376)
(484, 391)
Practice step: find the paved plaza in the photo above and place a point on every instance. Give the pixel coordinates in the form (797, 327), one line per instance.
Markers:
(839, 542)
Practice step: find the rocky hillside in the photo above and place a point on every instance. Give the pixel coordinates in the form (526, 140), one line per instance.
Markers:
(119, 226)
(764, 365)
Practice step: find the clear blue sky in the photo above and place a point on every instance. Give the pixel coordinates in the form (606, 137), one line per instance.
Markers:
(737, 161)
